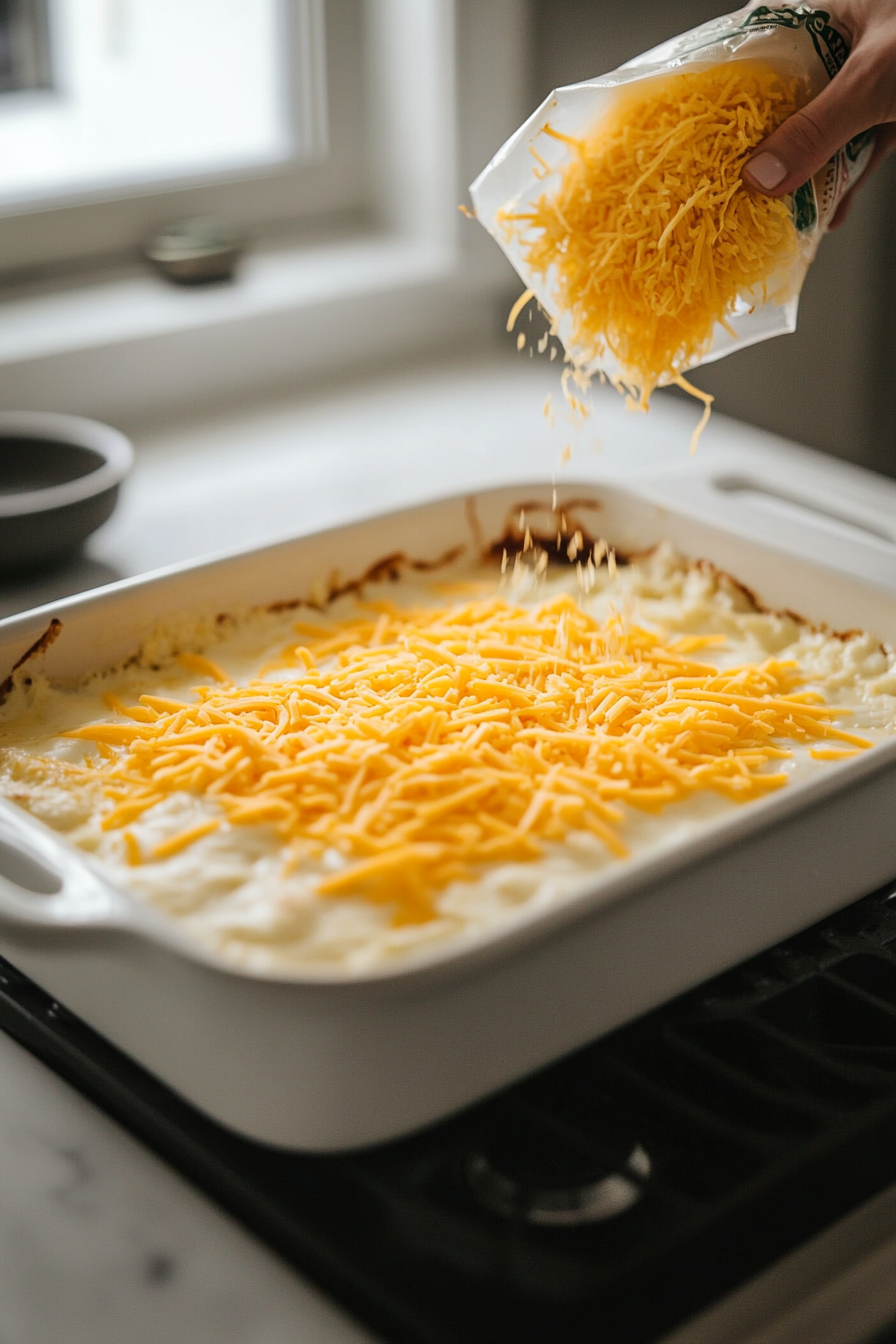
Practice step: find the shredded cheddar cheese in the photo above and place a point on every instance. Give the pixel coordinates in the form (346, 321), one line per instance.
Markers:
(650, 238)
(423, 744)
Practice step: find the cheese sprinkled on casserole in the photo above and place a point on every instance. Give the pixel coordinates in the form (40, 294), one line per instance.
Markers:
(424, 761)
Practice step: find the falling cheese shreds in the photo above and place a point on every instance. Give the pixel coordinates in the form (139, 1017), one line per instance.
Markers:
(707, 398)
(650, 239)
(518, 307)
(420, 745)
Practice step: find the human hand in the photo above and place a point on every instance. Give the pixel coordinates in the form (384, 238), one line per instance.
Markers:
(861, 95)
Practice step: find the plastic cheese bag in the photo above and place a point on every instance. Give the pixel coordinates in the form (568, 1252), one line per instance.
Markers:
(620, 201)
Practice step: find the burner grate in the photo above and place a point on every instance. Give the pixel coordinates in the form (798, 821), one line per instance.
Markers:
(612, 1195)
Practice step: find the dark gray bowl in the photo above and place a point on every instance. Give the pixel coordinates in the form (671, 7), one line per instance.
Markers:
(59, 480)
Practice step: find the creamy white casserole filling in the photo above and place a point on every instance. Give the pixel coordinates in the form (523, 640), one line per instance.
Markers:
(229, 891)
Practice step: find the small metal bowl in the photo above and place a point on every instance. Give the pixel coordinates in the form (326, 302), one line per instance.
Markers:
(59, 480)
(197, 251)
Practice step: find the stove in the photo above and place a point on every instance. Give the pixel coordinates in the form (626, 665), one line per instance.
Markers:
(616, 1195)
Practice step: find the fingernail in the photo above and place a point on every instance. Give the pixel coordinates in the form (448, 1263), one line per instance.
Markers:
(766, 171)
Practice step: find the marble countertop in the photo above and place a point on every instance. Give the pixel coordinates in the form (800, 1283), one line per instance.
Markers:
(100, 1242)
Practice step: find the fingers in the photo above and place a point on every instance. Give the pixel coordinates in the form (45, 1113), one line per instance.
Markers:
(841, 214)
(805, 142)
(884, 146)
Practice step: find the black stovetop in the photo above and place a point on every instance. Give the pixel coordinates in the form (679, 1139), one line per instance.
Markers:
(608, 1197)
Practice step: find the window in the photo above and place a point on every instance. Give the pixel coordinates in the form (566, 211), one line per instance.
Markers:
(119, 116)
(24, 46)
(137, 91)
(358, 250)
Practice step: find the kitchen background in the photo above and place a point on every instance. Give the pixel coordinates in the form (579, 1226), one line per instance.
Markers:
(360, 362)
(86, 328)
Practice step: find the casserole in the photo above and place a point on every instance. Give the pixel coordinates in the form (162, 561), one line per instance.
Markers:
(311, 1062)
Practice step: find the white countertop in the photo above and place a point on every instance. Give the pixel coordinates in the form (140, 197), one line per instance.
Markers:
(100, 1242)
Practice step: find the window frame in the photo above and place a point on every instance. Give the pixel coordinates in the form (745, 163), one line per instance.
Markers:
(324, 46)
(447, 81)
(30, 48)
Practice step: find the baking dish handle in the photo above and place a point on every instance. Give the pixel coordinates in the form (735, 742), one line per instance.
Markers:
(842, 529)
(42, 884)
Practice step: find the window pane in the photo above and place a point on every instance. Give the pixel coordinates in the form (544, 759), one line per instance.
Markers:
(24, 45)
(147, 91)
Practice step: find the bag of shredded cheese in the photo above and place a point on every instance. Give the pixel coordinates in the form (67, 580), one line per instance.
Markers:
(620, 200)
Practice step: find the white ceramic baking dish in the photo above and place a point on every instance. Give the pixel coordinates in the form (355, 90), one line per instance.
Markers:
(324, 1064)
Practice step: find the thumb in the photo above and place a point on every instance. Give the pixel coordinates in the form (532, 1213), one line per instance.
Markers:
(804, 143)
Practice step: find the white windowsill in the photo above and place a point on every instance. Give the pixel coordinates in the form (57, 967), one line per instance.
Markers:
(128, 308)
(127, 346)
